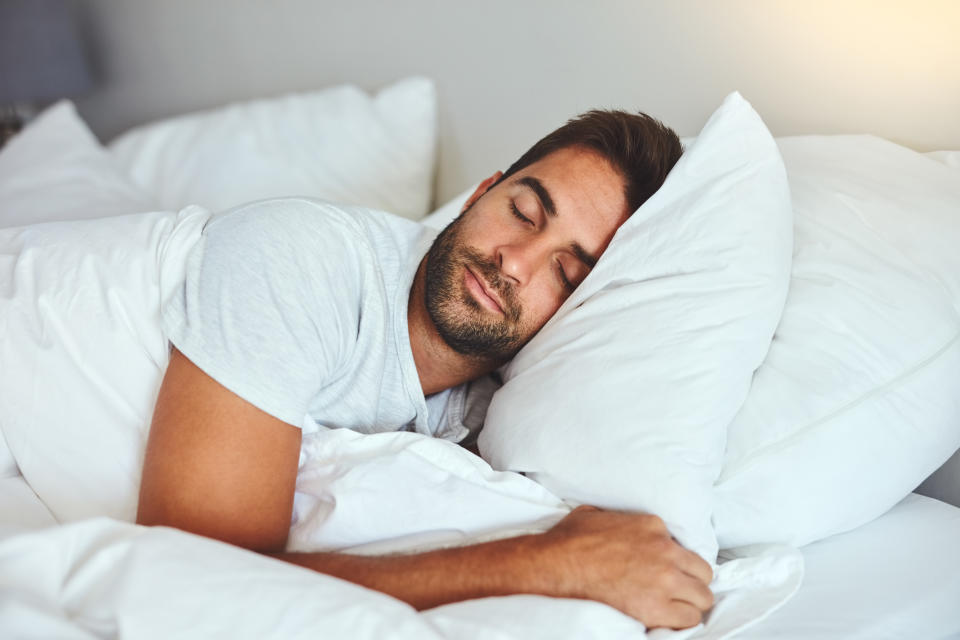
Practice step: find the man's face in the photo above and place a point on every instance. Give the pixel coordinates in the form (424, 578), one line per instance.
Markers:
(497, 273)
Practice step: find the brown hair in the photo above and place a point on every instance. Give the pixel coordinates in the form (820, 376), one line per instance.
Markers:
(642, 148)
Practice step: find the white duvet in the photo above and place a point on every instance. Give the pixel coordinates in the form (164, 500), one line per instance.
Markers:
(103, 578)
(83, 356)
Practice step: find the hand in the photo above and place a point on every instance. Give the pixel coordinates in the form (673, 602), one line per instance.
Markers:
(628, 561)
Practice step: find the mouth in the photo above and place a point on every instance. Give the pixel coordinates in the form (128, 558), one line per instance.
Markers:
(481, 293)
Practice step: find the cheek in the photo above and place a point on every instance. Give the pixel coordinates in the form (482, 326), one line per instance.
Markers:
(478, 228)
(540, 306)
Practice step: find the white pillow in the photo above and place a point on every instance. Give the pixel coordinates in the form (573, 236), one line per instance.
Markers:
(859, 398)
(56, 170)
(949, 158)
(339, 144)
(623, 398)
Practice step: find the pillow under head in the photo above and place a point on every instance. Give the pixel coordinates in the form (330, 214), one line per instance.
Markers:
(622, 400)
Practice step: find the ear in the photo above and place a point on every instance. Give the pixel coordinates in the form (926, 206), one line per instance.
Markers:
(481, 189)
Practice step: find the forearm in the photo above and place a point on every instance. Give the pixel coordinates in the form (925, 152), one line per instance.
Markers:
(430, 579)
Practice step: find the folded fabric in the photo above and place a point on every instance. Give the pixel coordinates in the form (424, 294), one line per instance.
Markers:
(83, 352)
(101, 578)
(402, 492)
(54, 170)
(623, 398)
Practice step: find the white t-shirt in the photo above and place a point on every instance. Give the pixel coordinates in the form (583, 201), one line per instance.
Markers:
(299, 306)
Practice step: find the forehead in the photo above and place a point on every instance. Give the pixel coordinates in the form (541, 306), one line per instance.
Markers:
(586, 189)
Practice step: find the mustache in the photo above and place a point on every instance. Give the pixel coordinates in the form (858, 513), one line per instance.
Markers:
(491, 273)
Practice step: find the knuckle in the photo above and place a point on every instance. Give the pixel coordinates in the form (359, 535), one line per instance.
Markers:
(654, 522)
(665, 548)
(665, 577)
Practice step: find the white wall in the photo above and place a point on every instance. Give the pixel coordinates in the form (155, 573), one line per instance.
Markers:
(509, 71)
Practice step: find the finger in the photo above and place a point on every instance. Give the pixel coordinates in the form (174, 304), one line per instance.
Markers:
(694, 592)
(692, 564)
(676, 614)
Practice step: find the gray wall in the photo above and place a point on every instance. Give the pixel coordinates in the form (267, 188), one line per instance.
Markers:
(507, 72)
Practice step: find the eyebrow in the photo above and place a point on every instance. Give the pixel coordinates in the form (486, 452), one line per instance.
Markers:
(542, 194)
(547, 203)
(581, 253)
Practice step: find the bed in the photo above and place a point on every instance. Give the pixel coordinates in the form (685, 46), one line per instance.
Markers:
(822, 413)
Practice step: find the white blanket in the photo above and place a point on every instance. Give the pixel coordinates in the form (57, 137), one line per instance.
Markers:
(102, 579)
(79, 443)
(367, 493)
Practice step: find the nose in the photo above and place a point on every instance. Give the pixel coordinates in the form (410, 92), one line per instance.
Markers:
(520, 259)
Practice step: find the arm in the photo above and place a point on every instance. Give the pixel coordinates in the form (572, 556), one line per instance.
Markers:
(218, 466)
(627, 561)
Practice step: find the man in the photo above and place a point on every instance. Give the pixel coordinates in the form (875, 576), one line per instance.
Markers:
(293, 307)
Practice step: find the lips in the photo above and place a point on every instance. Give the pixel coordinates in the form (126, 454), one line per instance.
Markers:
(481, 292)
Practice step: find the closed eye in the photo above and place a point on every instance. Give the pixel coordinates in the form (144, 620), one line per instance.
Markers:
(561, 274)
(519, 216)
(563, 278)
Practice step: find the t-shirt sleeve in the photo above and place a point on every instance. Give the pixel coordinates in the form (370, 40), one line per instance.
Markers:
(270, 302)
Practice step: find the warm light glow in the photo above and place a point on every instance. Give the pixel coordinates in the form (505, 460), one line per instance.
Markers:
(876, 62)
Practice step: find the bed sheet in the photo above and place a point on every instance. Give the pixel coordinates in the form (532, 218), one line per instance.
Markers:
(897, 577)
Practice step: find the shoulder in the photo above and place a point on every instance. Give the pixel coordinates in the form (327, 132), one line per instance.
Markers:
(295, 243)
(316, 228)
(292, 220)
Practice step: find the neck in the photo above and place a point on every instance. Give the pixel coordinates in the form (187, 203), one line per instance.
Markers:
(438, 366)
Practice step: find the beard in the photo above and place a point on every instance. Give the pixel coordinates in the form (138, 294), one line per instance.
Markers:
(462, 323)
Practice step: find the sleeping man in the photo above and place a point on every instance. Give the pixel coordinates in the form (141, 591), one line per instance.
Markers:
(292, 308)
